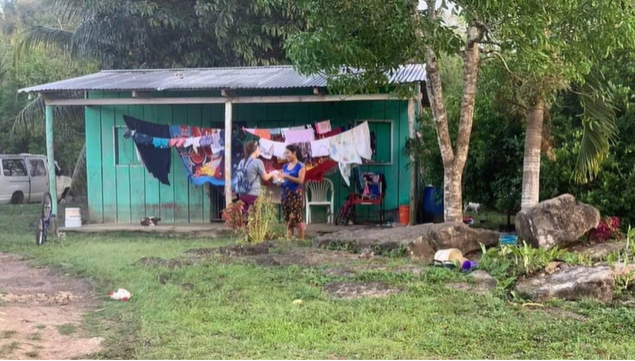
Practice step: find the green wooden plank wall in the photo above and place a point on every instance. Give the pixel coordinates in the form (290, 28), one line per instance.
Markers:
(121, 190)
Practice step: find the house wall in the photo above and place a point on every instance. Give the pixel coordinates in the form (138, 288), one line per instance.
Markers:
(121, 190)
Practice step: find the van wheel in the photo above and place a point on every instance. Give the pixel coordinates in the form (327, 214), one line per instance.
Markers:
(17, 198)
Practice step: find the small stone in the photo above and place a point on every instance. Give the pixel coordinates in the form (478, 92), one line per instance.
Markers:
(552, 267)
(297, 302)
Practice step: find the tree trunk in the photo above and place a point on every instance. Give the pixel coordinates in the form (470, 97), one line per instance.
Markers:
(452, 195)
(453, 159)
(531, 161)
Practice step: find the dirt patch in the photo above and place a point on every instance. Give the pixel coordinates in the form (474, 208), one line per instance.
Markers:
(353, 290)
(306, 257)
(348, 271)
(36, 305)
(560, 313)
(169, 263)
(235, 251)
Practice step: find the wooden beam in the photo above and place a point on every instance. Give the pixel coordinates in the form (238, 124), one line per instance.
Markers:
(50, 157)
(228, 154)
(49, 100)
(141, 94)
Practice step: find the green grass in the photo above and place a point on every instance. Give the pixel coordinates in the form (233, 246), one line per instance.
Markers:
(7, 334)
(7, 349)
(66, 329)
(239, 310)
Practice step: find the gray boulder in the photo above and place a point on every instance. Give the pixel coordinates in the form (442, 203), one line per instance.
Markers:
(574, 283)
(556, 221)
(419, 242)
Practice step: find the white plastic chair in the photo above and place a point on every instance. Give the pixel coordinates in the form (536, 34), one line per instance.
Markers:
(319, 194)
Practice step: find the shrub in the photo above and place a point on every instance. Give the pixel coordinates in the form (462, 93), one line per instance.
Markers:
(609, 228)
(234, 217)
(262, 220)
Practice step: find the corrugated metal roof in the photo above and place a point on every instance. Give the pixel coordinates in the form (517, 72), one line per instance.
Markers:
(269, 77)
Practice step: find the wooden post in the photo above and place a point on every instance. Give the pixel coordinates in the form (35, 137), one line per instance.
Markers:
(50, 157)
(413, 170)
(228, 153)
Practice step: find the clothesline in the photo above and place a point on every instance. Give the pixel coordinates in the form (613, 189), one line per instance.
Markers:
(346, 148)
(202, 149)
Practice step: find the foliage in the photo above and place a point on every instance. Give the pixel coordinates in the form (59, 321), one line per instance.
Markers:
(508, 263)
(625, 274)
(23, 132)
(169, 34)
(229, 310)
(234, 216)
(608, 229)
(261, 219)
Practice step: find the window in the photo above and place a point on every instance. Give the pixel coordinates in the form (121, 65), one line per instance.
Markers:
(14, 168)
(37, 168)
(381, 136)
(125, 149)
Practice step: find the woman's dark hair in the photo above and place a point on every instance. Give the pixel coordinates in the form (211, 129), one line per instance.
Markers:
(249, 148)
(293, 148)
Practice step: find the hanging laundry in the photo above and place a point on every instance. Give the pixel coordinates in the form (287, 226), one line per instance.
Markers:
(275, 131)
(263, 133)
(361, 133)
(323, 127)
(284, 131)
(161, 142)
(343, 150)
(295, 136)
(206, 141)
(266, 148)
(217, 145)
(320, 147)
(201, 165)
(298, 127)
(304, 150)
(156, 160)
(172, 142)
(278, 150)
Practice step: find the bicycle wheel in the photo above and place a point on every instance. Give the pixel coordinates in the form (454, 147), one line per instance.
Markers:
(45, 219)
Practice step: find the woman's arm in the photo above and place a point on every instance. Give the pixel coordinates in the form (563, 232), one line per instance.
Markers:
(263, 173)
(299, 179)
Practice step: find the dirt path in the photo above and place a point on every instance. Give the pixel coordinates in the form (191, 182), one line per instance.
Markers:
(41, 313)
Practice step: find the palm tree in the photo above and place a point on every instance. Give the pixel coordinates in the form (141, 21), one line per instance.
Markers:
(133, 34)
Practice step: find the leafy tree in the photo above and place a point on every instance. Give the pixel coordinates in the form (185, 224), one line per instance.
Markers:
(167, 34)
(548, 46)
(381, 35)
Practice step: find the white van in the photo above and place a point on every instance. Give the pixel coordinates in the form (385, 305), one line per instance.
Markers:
(24, 179)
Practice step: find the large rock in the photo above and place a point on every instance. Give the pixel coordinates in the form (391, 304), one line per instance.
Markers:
(574, 283)
(419, 242)
(556, 221)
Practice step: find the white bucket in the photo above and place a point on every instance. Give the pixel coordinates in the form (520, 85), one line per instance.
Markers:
(448, 255)
(73, 218)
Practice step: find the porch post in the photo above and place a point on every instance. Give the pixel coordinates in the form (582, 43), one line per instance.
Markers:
(50, 156)
(228, 153)
(413, 170)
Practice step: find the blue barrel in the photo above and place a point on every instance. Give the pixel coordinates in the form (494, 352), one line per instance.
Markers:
(432, 205)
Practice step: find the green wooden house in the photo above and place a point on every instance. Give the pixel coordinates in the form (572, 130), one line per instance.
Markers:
(121, 190)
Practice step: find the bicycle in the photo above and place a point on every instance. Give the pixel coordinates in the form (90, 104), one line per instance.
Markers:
(45, 219)
(346, 213)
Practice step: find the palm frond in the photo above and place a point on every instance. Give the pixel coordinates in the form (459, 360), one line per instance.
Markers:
(39, 36)
(32, 116)
(600, 130)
